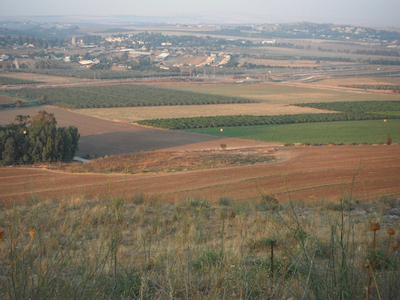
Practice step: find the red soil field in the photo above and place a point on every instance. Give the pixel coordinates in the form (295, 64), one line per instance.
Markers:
(306, 173)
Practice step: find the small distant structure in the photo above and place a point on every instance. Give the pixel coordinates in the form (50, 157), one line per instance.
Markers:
(4, 57)
(88, 63)
(162, 56)
(271, 42)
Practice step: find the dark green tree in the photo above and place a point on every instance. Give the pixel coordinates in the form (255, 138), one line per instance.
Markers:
(39, 142)
(10, 151)
(41, 137)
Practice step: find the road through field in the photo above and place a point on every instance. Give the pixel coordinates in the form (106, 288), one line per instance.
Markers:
(308, 173)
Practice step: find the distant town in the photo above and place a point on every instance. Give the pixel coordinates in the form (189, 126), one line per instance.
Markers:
(190, 49)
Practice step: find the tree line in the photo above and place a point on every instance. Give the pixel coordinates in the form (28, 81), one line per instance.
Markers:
(38, 139)
(249, 120)
(11, 80)
(355, 106)
(393, 87)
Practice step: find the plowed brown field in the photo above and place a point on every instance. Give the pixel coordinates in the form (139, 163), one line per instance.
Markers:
(306, 173)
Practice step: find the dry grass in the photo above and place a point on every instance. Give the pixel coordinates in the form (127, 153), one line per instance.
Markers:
(173, 161)
(194, 249)
(284, 93)
(359, 80)
(275, 62)
(133, 114)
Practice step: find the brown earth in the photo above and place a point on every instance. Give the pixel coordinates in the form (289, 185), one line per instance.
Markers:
(306, 173)
(6, 99)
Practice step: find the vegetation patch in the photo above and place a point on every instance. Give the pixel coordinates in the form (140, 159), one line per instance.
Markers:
(11, 80)
(164, 161)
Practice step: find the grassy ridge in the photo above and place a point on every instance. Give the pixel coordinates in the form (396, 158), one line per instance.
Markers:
(121, 96)
(374, 131)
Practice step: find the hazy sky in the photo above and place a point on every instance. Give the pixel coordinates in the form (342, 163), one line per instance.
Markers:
(357, 12)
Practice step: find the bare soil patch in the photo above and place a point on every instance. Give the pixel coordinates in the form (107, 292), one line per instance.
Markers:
(6, 99)
(86, 125)
(307, 173)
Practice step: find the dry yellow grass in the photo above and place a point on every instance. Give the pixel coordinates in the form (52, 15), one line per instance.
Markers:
(275, 62)
(133, 114)
(133, 248)
(358, 80)
(289, 92)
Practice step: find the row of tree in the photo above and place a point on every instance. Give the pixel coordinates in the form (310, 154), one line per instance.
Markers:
(37, 140)
(122, 96)
(355, 106)
(249, 120)
(393, 87)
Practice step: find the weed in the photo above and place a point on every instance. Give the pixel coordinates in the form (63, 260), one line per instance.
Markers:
(225, 201)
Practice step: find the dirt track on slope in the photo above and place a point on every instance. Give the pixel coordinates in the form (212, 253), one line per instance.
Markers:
(306, 173)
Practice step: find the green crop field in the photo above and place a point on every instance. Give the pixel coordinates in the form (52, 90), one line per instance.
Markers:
(374, 131)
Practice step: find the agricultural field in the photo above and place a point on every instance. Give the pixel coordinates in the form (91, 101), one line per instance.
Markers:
(285, 93)
(193, 214)
(359, 81)
(134, 114)
(100, 137)
(121, 96)
(281, 63)
(307, 173)
(371, 131)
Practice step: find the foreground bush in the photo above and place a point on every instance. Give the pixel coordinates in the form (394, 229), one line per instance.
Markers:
(140, 248)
